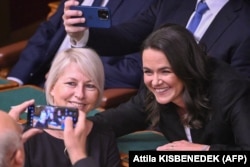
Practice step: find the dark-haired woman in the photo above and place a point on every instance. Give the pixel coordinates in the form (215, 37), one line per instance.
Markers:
(197, 102)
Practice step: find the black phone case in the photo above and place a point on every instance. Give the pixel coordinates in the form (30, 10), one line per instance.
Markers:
(34, 116)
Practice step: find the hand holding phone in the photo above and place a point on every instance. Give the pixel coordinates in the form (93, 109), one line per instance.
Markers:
(50, 117)
(96, 17)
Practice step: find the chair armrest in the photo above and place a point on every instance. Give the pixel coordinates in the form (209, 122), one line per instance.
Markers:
(115, 96)
(6, 84)
(9, 55)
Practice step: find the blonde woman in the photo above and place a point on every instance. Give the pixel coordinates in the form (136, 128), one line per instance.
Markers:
(76, 79)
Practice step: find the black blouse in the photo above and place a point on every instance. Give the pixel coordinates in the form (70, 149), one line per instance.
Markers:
(44, 150)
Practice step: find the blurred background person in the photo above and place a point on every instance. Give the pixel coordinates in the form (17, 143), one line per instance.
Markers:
(50, 38)
(217, 29)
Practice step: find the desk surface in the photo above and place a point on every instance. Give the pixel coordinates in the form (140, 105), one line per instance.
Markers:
(139, 141)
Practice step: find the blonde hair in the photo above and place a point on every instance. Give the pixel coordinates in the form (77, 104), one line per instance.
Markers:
(86, 59)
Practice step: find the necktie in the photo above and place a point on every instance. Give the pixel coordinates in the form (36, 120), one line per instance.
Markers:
(97, 3)
(201, 8)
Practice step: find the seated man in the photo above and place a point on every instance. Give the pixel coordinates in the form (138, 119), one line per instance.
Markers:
(219, 34)
(50, 37)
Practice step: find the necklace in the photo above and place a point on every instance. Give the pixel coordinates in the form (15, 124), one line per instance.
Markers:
(66, 152)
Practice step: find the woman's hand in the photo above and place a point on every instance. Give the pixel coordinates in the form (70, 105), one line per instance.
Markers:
(183, 145)
(71, 17)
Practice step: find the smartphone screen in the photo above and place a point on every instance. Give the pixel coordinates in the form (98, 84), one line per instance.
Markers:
(50, 117)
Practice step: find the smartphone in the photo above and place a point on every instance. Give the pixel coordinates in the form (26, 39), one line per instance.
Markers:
(96, 17)
(50, 117)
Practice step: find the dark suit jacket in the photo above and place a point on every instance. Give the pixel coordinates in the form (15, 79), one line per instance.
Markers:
(227, 38)
(36, 58)
(228, 128)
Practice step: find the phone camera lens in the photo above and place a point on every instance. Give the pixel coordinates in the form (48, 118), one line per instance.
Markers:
(103, 14)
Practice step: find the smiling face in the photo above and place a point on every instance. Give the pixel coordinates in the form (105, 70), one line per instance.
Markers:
(160, 79)
(74, 89)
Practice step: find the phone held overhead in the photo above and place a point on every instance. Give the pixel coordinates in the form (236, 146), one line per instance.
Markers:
(96, 17)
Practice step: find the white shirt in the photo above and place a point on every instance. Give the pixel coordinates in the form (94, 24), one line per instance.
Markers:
(188, 133)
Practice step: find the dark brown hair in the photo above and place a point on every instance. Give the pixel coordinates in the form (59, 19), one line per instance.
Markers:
(189, 63)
